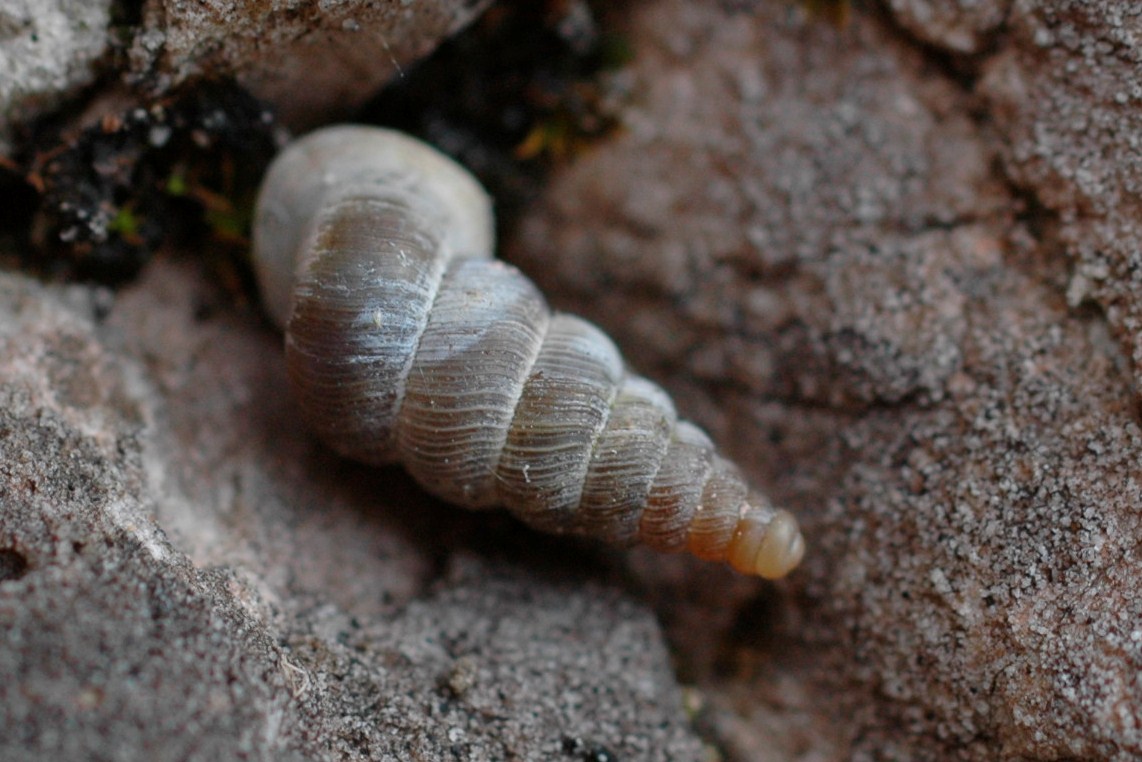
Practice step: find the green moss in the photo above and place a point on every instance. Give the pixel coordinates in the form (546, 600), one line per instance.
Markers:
(176, 184)
(124, 223)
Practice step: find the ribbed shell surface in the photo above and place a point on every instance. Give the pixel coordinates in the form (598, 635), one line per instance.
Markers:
(406, 343)
(482, 337)
(360, 308)
(561, 412)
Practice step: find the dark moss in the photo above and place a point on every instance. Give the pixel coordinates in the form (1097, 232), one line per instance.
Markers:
(184, 168)
(521, 89)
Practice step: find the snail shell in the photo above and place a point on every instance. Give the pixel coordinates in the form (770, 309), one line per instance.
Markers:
(406, 342)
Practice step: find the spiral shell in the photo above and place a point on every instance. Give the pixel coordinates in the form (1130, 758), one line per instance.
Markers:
(406, 342)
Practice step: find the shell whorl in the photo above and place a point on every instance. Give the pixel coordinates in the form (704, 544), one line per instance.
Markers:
(406, 342)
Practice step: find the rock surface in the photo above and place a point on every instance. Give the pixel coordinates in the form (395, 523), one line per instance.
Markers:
(1066, 97)
(891, 266)
(908, 297)
(184, 575)
(956, 26)
(48, 49)
(312, 61)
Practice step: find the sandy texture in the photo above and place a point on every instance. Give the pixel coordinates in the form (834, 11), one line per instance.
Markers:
(311, 61)
(845, 265)
(1065, 96)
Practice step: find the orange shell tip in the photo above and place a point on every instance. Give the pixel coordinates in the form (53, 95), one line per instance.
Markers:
(781, 549)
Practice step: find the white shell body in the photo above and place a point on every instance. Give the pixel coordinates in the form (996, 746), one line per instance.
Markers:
(406, 342)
